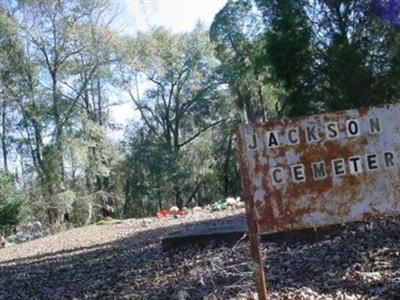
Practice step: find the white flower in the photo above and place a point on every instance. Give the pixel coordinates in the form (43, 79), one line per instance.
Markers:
(230, 201)
(173, 210)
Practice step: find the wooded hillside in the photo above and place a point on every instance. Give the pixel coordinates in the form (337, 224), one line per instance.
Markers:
(65, 64)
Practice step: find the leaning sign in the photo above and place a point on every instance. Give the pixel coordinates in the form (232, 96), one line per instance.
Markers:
(320, 170)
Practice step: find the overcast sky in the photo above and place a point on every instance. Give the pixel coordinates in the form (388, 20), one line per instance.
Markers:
(177, 15)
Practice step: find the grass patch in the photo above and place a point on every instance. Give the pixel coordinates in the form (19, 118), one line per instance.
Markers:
(106, 221)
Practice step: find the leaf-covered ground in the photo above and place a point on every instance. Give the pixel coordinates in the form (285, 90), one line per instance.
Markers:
(125, 261)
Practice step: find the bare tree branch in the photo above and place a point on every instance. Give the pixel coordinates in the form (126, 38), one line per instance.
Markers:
(201, 131)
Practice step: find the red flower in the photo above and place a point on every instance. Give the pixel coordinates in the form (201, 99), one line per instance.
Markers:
(162, 214)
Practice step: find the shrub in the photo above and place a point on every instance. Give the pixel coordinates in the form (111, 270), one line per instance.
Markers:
(10, 204)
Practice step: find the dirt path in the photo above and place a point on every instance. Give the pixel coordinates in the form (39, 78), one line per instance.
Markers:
(125, 261)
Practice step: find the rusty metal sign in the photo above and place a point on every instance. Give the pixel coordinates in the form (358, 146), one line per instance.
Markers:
(323, 169)
(320, 170)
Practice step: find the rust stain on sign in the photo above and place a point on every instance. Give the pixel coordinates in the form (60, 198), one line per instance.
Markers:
(322, 169)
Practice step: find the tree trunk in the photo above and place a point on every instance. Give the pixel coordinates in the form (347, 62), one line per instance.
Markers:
(193, 195)
(178, 199)
(3, 138)
(226, 166)
(160, 206)
(59, 128)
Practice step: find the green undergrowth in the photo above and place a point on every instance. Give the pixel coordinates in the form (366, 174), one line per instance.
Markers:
(107, 221)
